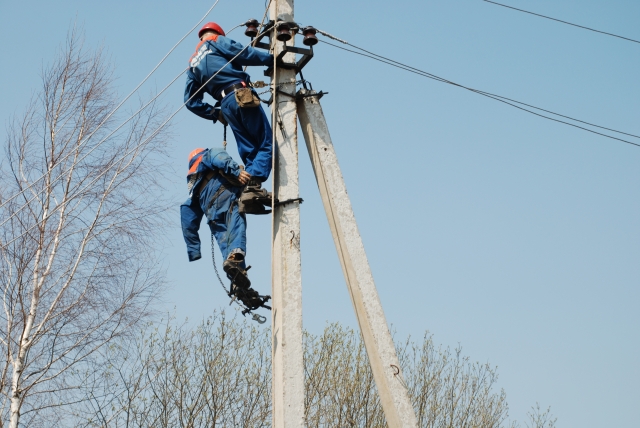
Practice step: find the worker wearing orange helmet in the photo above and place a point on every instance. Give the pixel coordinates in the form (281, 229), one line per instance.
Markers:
(215, 181)
(216, 68)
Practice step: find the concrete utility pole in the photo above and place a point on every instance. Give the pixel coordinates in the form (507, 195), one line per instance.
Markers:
(287, 354)
(394, 396)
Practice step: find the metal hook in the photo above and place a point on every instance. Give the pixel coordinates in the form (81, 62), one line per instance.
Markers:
(261, 319)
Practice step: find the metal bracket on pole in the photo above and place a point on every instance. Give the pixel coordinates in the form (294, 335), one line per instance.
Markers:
(265, 31)
(394, 396)
(298, 65)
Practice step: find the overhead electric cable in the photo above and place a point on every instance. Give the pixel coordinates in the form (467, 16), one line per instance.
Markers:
(123, 157)
(237, 26)
(438, 78)
(564, 22)
(496, 97)
(116, 108)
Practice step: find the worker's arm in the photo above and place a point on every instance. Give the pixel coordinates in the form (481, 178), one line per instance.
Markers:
(196, 104)
(249, 56)
(220, 159)
(191, 216)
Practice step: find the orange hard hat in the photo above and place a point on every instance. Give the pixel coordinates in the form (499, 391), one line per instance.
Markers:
(195, 157)
(211, 26)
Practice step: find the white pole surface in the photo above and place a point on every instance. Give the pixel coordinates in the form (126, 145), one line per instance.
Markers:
(394, 396)
(287, 361)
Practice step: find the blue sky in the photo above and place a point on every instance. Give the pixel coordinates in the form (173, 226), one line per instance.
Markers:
(511, 235)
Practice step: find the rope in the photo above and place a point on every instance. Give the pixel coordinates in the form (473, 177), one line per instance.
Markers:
(224, 141)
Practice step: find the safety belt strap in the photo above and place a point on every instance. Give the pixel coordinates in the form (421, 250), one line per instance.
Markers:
(205, 180)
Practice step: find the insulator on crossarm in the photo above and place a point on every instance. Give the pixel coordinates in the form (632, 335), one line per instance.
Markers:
(252, 28)
(283, 32)
(309, 34)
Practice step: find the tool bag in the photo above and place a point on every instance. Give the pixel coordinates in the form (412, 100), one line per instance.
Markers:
(246, 98)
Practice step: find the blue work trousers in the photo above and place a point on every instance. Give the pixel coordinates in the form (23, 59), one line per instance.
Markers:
(228, 226)
(253, 135)
(231, 233)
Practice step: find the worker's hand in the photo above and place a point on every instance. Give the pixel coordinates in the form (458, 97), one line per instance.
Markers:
(244, 177)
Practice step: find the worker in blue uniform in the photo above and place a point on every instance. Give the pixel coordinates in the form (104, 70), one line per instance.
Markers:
(215, 182)
(209, 73)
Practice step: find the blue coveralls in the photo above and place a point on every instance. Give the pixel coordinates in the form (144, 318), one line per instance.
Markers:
(227, 225)
(249, 125)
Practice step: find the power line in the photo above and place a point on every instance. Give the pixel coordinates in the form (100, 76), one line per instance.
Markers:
(564, 22)
(509, 101)
(440, 79)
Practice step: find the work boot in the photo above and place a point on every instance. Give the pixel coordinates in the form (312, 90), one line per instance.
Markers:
(254, 199)
(250, 297)
(236, 273)
(252, 207)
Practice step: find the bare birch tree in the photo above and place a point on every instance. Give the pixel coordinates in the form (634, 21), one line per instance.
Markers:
(78, 267)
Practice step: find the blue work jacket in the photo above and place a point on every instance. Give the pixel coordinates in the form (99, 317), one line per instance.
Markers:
(216, 208)
(209, 58)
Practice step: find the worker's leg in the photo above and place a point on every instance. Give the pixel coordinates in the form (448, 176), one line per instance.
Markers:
(253, 136)
(230, 232)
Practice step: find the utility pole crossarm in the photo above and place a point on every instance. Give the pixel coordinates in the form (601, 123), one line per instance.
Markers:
(394, 396)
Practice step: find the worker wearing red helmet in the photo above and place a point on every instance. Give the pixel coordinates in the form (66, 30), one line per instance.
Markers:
(209, 73)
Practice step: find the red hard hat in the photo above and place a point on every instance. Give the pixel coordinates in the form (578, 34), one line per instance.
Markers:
(211, 26)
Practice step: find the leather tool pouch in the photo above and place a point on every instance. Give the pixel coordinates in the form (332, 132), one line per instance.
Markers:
(246, 98)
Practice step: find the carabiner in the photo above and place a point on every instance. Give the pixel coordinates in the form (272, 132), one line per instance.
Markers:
(261, 319)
